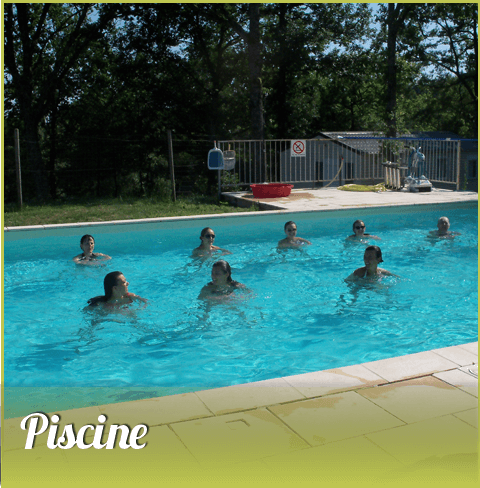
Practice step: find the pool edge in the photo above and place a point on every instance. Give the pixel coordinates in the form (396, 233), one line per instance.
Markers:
(342, 208)
(396, 369)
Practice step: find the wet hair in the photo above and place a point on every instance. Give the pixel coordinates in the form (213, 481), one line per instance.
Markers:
(109, 282)
(378, 252)
(226, 267)
(289, 223)
(85, 237)
(357, 222)
(444, 218)
(204, 231)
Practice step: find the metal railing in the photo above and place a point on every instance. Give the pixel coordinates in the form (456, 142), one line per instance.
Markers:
(337, 161)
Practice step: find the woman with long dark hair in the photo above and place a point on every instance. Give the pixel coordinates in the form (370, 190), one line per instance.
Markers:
(206, 248)
(116, 292)
(372, 258)
(222, 282)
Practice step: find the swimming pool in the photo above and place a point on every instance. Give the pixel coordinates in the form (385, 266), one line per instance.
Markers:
(299, 317)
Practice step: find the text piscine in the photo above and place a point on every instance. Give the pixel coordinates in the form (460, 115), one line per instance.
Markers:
(68, 439)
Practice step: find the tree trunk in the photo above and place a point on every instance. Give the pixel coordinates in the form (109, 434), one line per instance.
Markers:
(392, 29)
(282, 114)
(256, 101)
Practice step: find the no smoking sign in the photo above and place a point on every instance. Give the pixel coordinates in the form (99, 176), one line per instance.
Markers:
(297, 147)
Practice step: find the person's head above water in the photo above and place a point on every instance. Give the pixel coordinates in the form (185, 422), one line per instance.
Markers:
(221, 271)
(443, 224)
(290, 228)
(207, 235)
(85, 237)
(373, 251)
(359, 227)
(87, 242)
(115, 286)
(112, 280)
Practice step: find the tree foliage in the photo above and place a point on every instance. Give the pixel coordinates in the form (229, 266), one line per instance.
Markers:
(94, 88)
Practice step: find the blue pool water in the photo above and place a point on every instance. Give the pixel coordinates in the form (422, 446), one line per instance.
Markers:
(300, 316)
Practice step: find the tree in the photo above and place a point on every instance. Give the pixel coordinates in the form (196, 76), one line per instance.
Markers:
(43, 46)
(453, 49)
(305, 45)
(395, 23)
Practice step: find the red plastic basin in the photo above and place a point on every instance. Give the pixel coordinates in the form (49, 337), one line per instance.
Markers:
(271, 190)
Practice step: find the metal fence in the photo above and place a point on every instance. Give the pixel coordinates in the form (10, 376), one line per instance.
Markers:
(321, 162)
(103, 167)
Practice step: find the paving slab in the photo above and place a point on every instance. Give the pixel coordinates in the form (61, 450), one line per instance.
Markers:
(457, 354)
(437, 439)
(334, 417)
(37, 458)
(248, 396)
(163, 448)
(334, 199)
(156, 411)
(410, 366)
(460, 379)
(238, 437)
(419, 399)
(322, 383)
(468, 416)
(471, 370)
(340, 456)
(471, 347)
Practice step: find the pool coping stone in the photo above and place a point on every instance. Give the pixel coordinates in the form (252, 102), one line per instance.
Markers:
(336, 200)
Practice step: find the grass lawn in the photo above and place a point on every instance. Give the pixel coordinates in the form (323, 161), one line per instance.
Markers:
(101, 210)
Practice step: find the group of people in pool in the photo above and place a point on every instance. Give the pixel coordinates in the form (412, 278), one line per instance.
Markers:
(116, 285)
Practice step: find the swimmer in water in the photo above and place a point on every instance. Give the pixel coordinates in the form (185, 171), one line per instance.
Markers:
(291, 241)
(207, 236)
(116, 292)
(359, 232)
(372, 258)
(222, 283)
(87, 244)
(443, 226)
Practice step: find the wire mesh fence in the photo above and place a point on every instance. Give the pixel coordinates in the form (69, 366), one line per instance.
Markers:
(99, 167)
(89, 166)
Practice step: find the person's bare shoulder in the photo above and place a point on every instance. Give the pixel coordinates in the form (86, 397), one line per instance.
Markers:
(360, 272)
(196, 252)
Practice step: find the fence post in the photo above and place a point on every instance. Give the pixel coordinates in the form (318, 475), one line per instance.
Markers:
(170, 164)
(459, 146)
(18, 169)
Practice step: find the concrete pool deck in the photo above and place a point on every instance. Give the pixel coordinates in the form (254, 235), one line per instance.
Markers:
(333, 199)
(393, 419)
